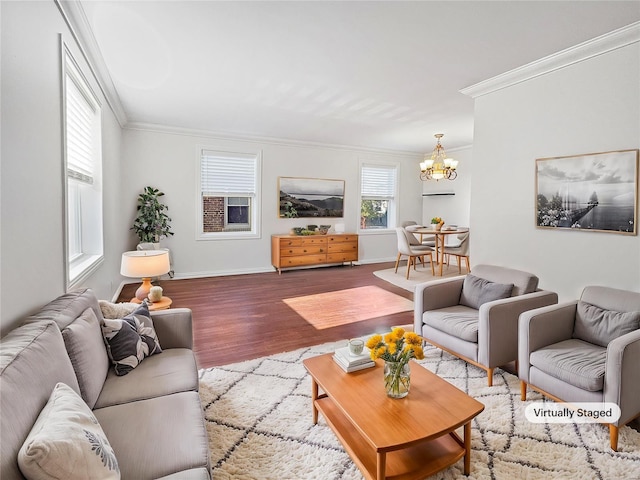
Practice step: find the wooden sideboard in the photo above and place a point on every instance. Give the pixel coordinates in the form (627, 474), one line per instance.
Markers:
(289, 251)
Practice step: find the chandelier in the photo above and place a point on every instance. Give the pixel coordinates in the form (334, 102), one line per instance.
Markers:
(438, 166)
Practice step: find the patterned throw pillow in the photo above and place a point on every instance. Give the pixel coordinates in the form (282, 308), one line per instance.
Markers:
(67, 442)
(130, 339)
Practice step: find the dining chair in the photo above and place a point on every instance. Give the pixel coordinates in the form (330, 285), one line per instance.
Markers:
(410, 226)
(412, 251)
(460, 250)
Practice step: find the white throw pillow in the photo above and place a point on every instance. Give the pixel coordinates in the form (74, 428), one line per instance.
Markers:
(67, 442)
(117, 310)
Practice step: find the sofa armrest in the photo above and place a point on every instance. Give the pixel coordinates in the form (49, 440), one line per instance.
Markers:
(498, 325)
(434, 295)
(542, 327)
(174, 327)
(621, 384)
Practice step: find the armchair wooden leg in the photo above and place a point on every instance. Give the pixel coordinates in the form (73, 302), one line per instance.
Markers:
(523, 390)
(466, 260)
(433, 272)
(490, 376)
(398, 261)
(409, 262)
(613, 434)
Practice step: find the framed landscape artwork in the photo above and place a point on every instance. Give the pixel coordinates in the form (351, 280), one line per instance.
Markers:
(594, 192)
(310, 197)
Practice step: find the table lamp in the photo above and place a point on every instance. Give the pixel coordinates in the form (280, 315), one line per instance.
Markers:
(144, 264)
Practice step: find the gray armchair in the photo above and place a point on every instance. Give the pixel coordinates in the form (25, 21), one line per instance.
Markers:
(475, 317)
(587, 350)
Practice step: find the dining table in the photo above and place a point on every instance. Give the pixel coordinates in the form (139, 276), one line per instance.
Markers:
(440, 237)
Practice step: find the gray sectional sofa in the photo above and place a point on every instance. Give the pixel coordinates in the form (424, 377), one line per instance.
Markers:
(152, 417)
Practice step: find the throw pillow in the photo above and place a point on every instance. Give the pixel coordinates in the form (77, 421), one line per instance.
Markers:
(598, 326)
(477, 291)
(67, 442)
(130, 339)
(117, 310)
(85, 347)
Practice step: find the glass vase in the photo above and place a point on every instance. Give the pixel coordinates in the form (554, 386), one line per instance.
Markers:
(397, 377)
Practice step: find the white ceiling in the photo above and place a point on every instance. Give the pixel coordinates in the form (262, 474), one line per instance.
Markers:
(383, 74)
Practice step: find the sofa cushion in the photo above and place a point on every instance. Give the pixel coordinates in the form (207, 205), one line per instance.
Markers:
(67, 442)
(459, 321)
(573, 361)
(477, 291)
(130, 339)
(66, 308)
(596, 325)
(172, 372)
(85, 346)
(167, 432)
(36, 352)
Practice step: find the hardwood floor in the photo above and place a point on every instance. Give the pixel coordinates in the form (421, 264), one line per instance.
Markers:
(241, 317)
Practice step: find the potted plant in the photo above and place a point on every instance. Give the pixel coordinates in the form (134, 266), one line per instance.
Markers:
(437, 222)
(151, 223)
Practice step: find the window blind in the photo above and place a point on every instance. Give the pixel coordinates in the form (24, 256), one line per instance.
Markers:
(227, 174)
(378, 181)
(80, 125)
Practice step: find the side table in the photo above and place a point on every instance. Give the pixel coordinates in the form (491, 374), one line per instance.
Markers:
(163, 304)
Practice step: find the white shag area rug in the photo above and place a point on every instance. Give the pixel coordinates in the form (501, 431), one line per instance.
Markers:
(260, 428)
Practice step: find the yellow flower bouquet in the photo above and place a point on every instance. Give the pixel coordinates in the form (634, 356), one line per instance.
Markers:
(437, 220)
(396, 348)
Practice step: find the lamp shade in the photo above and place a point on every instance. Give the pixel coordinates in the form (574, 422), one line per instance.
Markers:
(145, 263)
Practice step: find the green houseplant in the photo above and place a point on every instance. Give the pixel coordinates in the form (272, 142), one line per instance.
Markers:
(152, 222)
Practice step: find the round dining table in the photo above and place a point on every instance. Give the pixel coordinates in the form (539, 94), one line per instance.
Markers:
(440, 236)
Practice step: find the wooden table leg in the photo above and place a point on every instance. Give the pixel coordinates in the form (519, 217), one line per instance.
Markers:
(314, 397)
(382, 466)
(467, 448)
(441, 251)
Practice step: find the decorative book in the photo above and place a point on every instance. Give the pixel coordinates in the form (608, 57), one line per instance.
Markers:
(352, 363)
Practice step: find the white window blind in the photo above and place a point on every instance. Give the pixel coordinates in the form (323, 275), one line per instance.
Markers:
(80, 127)
(378, 181)
(227, 174)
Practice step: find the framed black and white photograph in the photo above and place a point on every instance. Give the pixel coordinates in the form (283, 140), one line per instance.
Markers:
(310, 197)
(594, 192)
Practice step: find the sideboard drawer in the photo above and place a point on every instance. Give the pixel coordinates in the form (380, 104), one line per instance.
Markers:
(306, 250)
(342, 247)
(303, 260)
(303, 241)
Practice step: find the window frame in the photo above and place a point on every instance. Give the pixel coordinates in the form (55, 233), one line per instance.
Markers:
(394, 203)
(255, 202)
(88, 196)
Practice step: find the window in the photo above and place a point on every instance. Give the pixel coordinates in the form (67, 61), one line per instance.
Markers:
(228, 194)
(83, 165)
(378, 192)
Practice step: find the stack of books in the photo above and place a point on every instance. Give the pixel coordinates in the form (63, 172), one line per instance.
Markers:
(351, 363)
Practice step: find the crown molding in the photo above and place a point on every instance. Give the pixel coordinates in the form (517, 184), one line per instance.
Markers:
(218, 135)
(591, 48)
(76, 20)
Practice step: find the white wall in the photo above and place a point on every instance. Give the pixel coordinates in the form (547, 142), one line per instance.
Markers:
(454, 209)
(168, 161)
(32, 188)
(591, 106)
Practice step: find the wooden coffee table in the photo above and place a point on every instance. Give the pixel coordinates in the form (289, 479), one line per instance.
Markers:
(409, 438)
